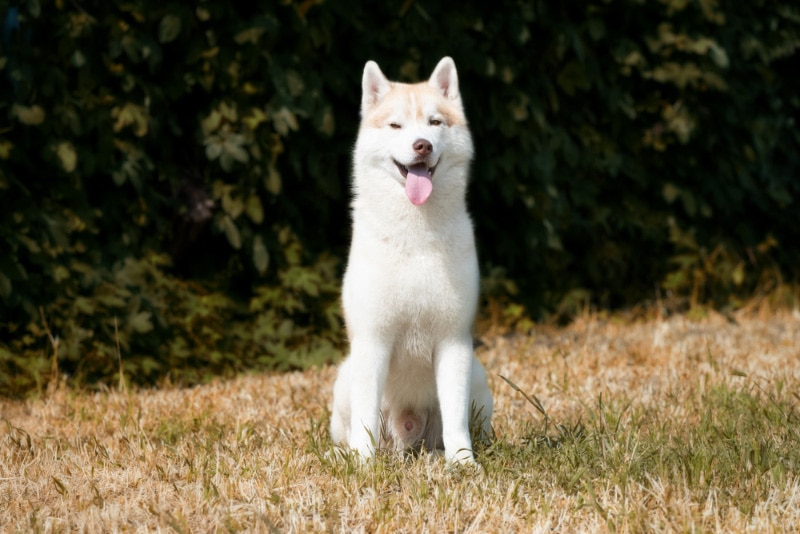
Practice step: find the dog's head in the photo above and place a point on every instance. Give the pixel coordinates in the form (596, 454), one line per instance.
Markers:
(415, 133)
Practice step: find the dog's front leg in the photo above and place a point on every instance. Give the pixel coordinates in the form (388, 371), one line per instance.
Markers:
(369, 368)
(453, 367)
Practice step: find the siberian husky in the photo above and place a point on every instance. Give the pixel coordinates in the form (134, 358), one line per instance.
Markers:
(410, 289)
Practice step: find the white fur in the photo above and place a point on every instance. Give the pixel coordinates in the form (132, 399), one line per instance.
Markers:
(411, 286)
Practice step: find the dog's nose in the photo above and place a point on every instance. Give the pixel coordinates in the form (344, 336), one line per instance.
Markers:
(423, 147)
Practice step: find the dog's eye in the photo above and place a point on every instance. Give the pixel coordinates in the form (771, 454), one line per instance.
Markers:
(394, 126)
(435, 122)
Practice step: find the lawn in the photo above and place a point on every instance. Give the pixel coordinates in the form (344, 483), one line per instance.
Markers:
(681, 424)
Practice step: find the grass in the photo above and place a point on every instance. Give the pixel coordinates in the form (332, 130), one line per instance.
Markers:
(604, 425)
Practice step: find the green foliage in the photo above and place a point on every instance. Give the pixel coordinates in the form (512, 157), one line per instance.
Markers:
(184, 168)
(714, 276)
(619, 118)
(143, 206)
(162, 326)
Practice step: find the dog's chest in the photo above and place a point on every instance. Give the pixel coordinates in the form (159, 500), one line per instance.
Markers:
(413, 284)
(424, 291)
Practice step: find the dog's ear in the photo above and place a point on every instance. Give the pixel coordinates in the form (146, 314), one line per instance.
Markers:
(374, 86)
(445, 79)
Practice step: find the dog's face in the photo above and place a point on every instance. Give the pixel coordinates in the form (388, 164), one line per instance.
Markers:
(414, 133)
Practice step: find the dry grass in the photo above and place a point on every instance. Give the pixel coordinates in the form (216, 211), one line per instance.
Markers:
(676, 425)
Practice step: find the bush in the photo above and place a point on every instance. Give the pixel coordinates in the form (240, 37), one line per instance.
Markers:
(174, 178)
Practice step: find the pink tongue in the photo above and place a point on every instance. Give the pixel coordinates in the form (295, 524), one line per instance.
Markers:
(418, 184)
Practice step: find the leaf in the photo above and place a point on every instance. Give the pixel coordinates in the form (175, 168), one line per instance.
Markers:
(30, 116)
(5, 286)
(327, 124)
(689, 203)
(255, 117)
(229, 111)
(260, 255)
(232, 150)
(130, 114)
(273, 181)
(60, 273)
(284, 120)
(140, 322)
(250, 35)
(670, 192)
(719, 56)
(169, 29)
(738, 274)
(78, 59)
(680, 74)
(213, 147)
(254, 209)
(67, 155)
(232, 205)
(228, 147)
(231, 232)
(5, 149)
(211, 122)
(295, 83)
(84, 305)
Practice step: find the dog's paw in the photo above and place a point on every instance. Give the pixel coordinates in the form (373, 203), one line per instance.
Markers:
(461, 458)
(466, 468)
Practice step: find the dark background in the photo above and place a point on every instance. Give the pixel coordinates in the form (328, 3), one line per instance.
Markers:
(174, 177)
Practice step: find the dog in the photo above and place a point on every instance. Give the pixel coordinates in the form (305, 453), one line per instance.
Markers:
(410, 288)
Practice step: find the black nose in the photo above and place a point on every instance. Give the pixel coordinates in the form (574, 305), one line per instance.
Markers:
(423, 147)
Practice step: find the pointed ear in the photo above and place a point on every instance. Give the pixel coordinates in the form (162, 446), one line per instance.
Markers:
(445, 79)
(374, 86)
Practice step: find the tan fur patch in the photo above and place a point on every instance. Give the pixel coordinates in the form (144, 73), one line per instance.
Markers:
(412, 96)
(377, 117)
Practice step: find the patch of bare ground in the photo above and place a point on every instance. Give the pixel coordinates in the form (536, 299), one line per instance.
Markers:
(672, 425)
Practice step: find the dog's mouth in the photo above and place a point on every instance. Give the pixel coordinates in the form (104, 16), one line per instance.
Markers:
(417, 167)
(419, 181)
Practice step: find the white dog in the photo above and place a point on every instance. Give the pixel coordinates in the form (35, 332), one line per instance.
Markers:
(411, 286)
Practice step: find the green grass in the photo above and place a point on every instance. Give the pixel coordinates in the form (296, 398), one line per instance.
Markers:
(732, 446)
(599, 427)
